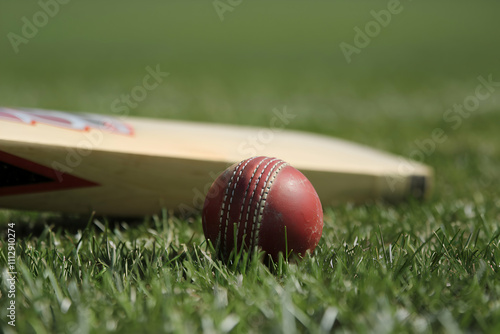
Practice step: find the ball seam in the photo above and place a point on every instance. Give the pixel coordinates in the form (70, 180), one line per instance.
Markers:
(259, 208)
(247, 220)
(263, 199)
(225, 211)
(249, 204)
(223, 205)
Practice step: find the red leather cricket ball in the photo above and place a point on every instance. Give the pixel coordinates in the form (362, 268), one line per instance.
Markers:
(265, 203)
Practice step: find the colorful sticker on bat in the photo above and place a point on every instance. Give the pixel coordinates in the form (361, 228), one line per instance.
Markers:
(73, 121)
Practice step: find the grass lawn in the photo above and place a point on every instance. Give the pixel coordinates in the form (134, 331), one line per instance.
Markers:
(379, 267)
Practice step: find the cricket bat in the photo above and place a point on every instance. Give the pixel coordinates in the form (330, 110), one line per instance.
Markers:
(126, 166)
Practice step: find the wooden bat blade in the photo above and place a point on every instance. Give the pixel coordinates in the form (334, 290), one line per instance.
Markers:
(69, 162)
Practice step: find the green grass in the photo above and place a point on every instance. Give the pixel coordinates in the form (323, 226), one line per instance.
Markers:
(410, 267)
(416, 268)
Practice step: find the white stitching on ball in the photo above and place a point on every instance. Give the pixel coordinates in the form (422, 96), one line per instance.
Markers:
(223, 206)
(250, 200)
(234, 184)
(259, 204)
(263, 197)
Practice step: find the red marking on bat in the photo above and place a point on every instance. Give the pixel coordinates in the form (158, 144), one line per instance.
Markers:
(68, 181)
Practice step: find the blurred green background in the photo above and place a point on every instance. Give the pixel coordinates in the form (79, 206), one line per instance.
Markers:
(412, 267)
(272, 54)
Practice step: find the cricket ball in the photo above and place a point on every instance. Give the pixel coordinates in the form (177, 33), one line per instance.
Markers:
(262, 203)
